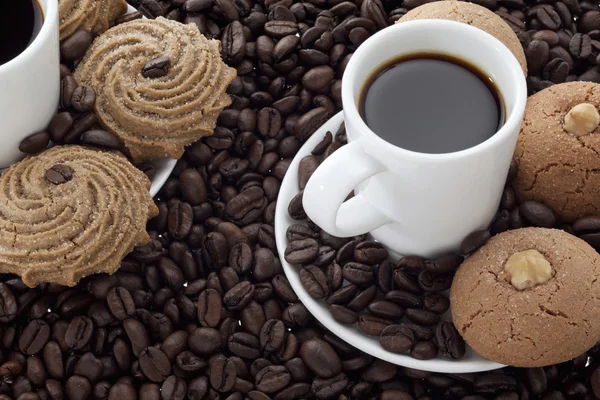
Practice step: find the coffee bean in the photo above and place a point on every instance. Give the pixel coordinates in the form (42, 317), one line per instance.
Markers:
(537, 55)
(385, 309)
(75, 46)
(537, 214)
(59, 174)
(397, 339)
(438, 303)
(492, 382)
(83, 98)
(78, 388)
(314, 281)
(137, 334)
(301, 251)
(204, 341)
(362, 299)
(318, 78)
(449, 341)
(34, 337)
(308, 123)
(120, 302)
(343, 314)
(100, 138)
(434, 283)
(474, 241)
(357, 273)
(422, 317)
(548, 18)
(246, 206)
(373, 9)
(321, 358)
(404, 298)
(233, 42)
(443, 264)
(280, 29)
(180, 219)
(272, 378)
(154, 364)
(223, 374)
(424, 350)
(404, 281)
(8, 304)
(157, 67)
(329, 388)
(35, 143)
(79, 332)
(372, 325)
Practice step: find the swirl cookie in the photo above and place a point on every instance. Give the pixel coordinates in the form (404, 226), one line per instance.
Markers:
(558, 150)
(160, 85)
(474, 15)
(69, 212)
(89, 15)
(529, 298)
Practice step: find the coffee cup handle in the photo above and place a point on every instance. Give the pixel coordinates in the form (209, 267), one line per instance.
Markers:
(330, 184)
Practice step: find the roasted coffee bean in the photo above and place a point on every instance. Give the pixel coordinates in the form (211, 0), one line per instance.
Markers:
(404, 281)
(233, 41)
(449, 341)
(434, 283)
(343, 295)
(537, 214)
(35, 143)
(424, 350)
(59, 174)
(120, 302)
(343, 314)
(283, 289)
(404, 298)
(8, 304)
(180, 219)
(157, 67)
(34, 336)
(280, 29)
(75, 46)
(494, 382)
(372, 325)
(155, 364)
(321, 358)
(422, 317)
(397, 338)
(474, 241)
(137, 334)
(329, 388)
(309, 122)
(272, 378)
(358, 273)
(78, 388)
(314, 281)
(362, 299)
(223, 374)
(83, 98)
(385, 309)
(301, 251)
(79, 332)
(100, 138)
(438, 303)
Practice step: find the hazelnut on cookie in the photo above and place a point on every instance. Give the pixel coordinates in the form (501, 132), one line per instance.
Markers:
(529, 298)
(558, 150)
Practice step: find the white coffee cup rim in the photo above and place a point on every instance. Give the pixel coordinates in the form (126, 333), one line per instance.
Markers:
(50, 15)
(393, 33)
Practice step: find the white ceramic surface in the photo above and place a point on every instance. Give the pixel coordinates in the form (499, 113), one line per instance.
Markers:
(30, 87)
(472, 362)
(416, 203)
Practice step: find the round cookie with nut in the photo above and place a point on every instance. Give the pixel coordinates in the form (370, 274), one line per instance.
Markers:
(529, 297)
(558, 150)
(474, 15)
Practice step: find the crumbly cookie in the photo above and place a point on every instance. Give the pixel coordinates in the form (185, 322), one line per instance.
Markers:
(69, 212)
(156, 111)
(535, 308)
(556, 167)
(474, 15)
(90, 15)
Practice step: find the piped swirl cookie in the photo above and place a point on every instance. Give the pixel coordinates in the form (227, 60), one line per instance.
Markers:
(90, 15)
(69, 212)
(160, 85)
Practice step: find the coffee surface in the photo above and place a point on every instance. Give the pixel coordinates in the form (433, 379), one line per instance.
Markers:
(20, 22)
(431, 103)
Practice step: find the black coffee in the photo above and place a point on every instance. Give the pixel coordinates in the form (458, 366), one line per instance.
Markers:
(20, 22)
(431, 103)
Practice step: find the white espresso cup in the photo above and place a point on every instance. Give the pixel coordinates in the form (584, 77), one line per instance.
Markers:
(30, 86)
(417, 203)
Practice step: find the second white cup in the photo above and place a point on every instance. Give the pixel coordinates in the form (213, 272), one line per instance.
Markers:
(30, 86)
(417, 203)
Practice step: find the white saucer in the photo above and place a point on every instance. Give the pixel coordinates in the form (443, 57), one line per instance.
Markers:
(471, 362)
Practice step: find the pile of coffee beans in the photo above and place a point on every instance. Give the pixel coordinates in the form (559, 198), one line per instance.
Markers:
(204, 310)
(399, 302)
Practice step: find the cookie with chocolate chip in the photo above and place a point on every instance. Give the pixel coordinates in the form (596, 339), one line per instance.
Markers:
(558, 150)
(529, 298)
